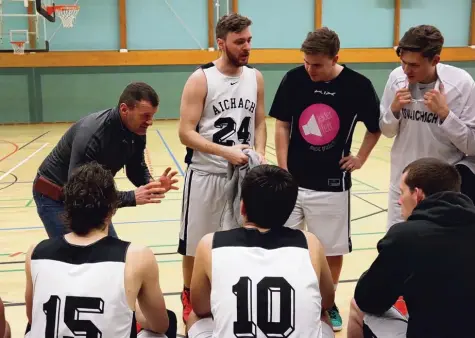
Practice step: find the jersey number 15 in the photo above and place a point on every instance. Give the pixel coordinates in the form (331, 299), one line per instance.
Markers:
(74, 306)
(267, 314)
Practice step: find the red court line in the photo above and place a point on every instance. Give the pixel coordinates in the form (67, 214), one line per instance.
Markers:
(13, 152)
(16, 254)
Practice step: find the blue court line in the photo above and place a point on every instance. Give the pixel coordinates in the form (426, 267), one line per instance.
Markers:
(115, 223)
(171, 153)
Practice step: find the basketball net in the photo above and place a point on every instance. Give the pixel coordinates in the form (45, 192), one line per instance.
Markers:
(67, 14)
(18, 47)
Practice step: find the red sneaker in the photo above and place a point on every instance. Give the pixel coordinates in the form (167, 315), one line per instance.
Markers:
(185, 301)
(401, 306)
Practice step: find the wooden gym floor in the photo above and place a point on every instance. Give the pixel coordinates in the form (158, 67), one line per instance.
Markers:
(23, 147)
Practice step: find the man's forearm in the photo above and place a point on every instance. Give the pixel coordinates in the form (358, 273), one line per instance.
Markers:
(261, 138)
(369, 142)
(197, 142)
(282, 136)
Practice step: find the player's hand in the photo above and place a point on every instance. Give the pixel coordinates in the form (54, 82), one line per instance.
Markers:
(152, 192)
(167, 181)
(235, 155)
(351, 163)
(262, 158)
(403, 97)
(435, 100)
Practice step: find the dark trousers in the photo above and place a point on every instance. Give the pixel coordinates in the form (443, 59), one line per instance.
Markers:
(51, 211)
(468, 181)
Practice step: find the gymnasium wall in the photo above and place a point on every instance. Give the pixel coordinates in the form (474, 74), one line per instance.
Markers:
(38, 91)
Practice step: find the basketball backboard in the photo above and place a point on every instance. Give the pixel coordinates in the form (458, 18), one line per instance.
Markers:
(19, 22)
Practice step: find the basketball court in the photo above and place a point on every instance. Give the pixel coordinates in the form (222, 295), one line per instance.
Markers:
(23, 147)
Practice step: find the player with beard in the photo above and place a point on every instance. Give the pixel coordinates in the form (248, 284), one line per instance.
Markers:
(222, 113)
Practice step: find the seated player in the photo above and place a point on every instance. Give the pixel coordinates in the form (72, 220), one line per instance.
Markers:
(4, 327)
(86, 282)
(262, 279)
(428, 259)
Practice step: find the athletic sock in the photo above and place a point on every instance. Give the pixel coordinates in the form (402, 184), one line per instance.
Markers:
(335, 286)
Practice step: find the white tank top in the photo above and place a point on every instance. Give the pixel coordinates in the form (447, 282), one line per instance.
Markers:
(264, 285)
(79, 290)
(228, 116)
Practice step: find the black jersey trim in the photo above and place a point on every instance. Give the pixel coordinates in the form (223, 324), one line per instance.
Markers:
(273, 239)
(107, 249)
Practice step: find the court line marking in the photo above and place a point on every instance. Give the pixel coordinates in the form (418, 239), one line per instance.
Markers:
(23, 161)
(371, 203)
(36, 138)
(13, 152)
(170, 152)
(124, 222)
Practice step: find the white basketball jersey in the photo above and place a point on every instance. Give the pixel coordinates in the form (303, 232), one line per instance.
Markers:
(228, 116)
(264, 285)
(79, 290)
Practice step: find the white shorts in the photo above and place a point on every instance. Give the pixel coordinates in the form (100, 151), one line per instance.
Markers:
(148, 334)
(327, 216)
(394, 209)
(203, 328)
(392, 324)
(203, 205)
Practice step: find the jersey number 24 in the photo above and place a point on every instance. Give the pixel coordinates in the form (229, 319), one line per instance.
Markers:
(227, 127)
(266, 289)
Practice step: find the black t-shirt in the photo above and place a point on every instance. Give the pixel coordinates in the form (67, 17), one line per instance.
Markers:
(323, 116)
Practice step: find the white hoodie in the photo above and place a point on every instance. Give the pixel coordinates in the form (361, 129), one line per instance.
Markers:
(419, 132)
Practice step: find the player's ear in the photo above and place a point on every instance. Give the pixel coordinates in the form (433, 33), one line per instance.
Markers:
(243, 209)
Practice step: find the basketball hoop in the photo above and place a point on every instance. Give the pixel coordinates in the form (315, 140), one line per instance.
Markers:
(67, 13)
(18, 47)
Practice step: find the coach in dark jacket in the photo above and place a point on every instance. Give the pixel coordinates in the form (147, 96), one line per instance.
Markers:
(115, 138)
(429, 259)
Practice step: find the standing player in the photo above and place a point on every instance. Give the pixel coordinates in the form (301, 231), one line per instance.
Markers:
(262, 279)
(429, 108)
(222, 112)
(87, 283)
(317, 106)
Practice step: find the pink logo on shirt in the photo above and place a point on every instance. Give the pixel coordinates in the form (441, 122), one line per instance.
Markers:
(319, 124)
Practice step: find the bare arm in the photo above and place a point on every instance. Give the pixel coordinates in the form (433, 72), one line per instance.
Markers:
(3, 322)
(150, 297)
(282, 137)
(320, 265)
(201, 280)
(192, 102)
(29, 285)
(261, 129)
(369, 142)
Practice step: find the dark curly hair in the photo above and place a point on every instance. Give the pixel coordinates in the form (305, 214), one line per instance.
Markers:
(90, 197)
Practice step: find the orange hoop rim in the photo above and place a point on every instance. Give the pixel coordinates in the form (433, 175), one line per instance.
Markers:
(55, 8)
(18, 43)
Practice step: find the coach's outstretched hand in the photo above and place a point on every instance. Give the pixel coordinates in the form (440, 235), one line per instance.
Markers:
(152, 192)
(167, 181)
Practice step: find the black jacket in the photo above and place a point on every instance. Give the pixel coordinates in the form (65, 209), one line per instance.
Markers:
(103, 138)
(430, 260)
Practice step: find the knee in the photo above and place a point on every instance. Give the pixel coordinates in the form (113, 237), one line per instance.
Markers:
(355, 312)
(192, 319)
(8, 332)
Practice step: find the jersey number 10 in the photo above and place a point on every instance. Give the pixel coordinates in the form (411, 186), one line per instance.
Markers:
(73, 308)
(245, 326)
